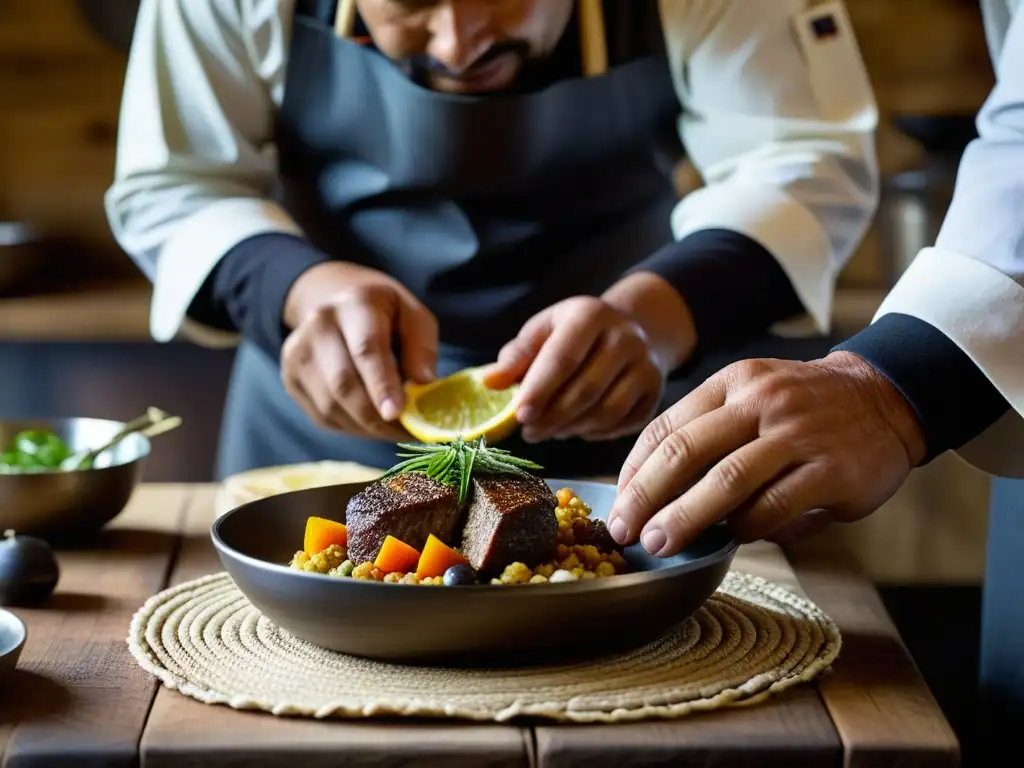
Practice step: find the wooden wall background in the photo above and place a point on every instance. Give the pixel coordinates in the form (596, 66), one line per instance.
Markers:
(60, 88)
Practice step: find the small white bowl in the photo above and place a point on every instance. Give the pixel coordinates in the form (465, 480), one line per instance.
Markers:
(12, 640)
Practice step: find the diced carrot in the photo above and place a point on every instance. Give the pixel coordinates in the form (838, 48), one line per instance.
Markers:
(396, 556)
(322, 533)
(437, 558)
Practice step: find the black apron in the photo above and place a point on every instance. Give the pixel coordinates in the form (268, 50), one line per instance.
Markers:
(488, 208)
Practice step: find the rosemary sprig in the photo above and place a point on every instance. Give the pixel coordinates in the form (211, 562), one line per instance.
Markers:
(456, 462)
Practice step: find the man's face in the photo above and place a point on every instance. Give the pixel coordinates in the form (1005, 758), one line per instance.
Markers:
(466, 46)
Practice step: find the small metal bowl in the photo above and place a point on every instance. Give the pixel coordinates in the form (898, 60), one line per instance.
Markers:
(20, 255)
(488, 624)
(12, 641)
(65, 504)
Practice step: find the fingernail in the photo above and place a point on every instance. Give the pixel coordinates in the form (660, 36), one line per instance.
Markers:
(388, 410)
(525, 413)
(654, 540)
(619, 530)
(530, 436)
(427, 374)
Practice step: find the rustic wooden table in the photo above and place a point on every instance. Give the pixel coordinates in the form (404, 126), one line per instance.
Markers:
(78, 698)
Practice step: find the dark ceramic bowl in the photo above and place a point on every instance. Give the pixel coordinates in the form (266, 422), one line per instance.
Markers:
(476, 624)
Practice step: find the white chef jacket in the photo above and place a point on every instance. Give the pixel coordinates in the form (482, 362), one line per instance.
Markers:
(970, 285)
(779, 122)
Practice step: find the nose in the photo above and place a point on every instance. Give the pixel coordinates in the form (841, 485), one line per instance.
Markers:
(460, 33)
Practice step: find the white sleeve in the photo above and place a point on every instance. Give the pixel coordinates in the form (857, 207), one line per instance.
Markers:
(195, 163)
(970, 285)
(779, 119)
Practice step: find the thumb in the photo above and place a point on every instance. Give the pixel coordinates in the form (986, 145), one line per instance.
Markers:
(518, 355)
(418, 340)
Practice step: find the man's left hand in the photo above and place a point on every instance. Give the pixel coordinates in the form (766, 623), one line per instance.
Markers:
(774, 447)
(587, 370)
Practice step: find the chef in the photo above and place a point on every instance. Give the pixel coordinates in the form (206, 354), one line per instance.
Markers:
(790, 446)
(359, 194)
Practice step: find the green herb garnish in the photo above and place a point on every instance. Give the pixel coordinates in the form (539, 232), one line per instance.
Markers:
(456, 462)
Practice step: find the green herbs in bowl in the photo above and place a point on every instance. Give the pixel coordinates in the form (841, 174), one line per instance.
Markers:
(38, 449)
(35, 450)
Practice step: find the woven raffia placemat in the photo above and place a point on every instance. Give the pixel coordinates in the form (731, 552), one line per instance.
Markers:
(752, 639)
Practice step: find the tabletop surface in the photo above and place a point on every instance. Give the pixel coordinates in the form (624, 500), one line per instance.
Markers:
(79, 698)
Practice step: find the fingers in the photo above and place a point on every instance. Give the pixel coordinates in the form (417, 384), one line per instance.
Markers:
(302, 378)
(725, 488)
(340, 392)
(367, 334)
(702, 400)
(320, 375)
(336, 421)
(587, 388)
(680, 456)
(561, 356)
(782, 502)
(516, 357)
(625, 410)
(418, 334)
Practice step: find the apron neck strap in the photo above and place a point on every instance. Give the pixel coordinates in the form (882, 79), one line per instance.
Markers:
(345, 18)
(593, 37)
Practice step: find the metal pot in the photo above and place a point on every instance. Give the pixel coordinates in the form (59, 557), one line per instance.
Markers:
(21, 254)
(914, 202)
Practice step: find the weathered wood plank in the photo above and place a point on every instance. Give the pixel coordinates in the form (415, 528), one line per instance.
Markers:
(881, 706)
(792, 729)
(78, 698)
(182, 733)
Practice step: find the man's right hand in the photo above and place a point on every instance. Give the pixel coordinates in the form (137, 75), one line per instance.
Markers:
(338, 363)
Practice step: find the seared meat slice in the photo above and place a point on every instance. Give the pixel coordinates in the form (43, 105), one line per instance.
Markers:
(407, 506)
(510, 519)
(588, 530)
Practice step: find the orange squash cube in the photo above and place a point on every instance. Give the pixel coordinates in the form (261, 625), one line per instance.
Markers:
(437, 558)
(322, 533)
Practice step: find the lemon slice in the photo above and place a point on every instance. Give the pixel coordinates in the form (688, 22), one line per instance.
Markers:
(460, 404)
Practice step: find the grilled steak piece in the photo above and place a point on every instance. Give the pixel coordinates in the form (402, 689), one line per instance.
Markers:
(593, 531)
(510, 519)
(409, 507)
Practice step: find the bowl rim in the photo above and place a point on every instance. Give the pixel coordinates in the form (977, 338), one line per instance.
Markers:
(620, 581)
(11, 618)
(146, 445)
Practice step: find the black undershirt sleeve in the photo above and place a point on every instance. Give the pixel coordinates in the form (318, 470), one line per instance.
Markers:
(954, 401)
(732, 285)
(246, 292)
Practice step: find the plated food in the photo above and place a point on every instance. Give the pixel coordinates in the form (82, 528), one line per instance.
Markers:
(530, 622)
(458, 514)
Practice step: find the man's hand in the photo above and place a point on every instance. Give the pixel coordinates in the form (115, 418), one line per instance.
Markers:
(338, 363)
(587, 371)
(773, 447)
